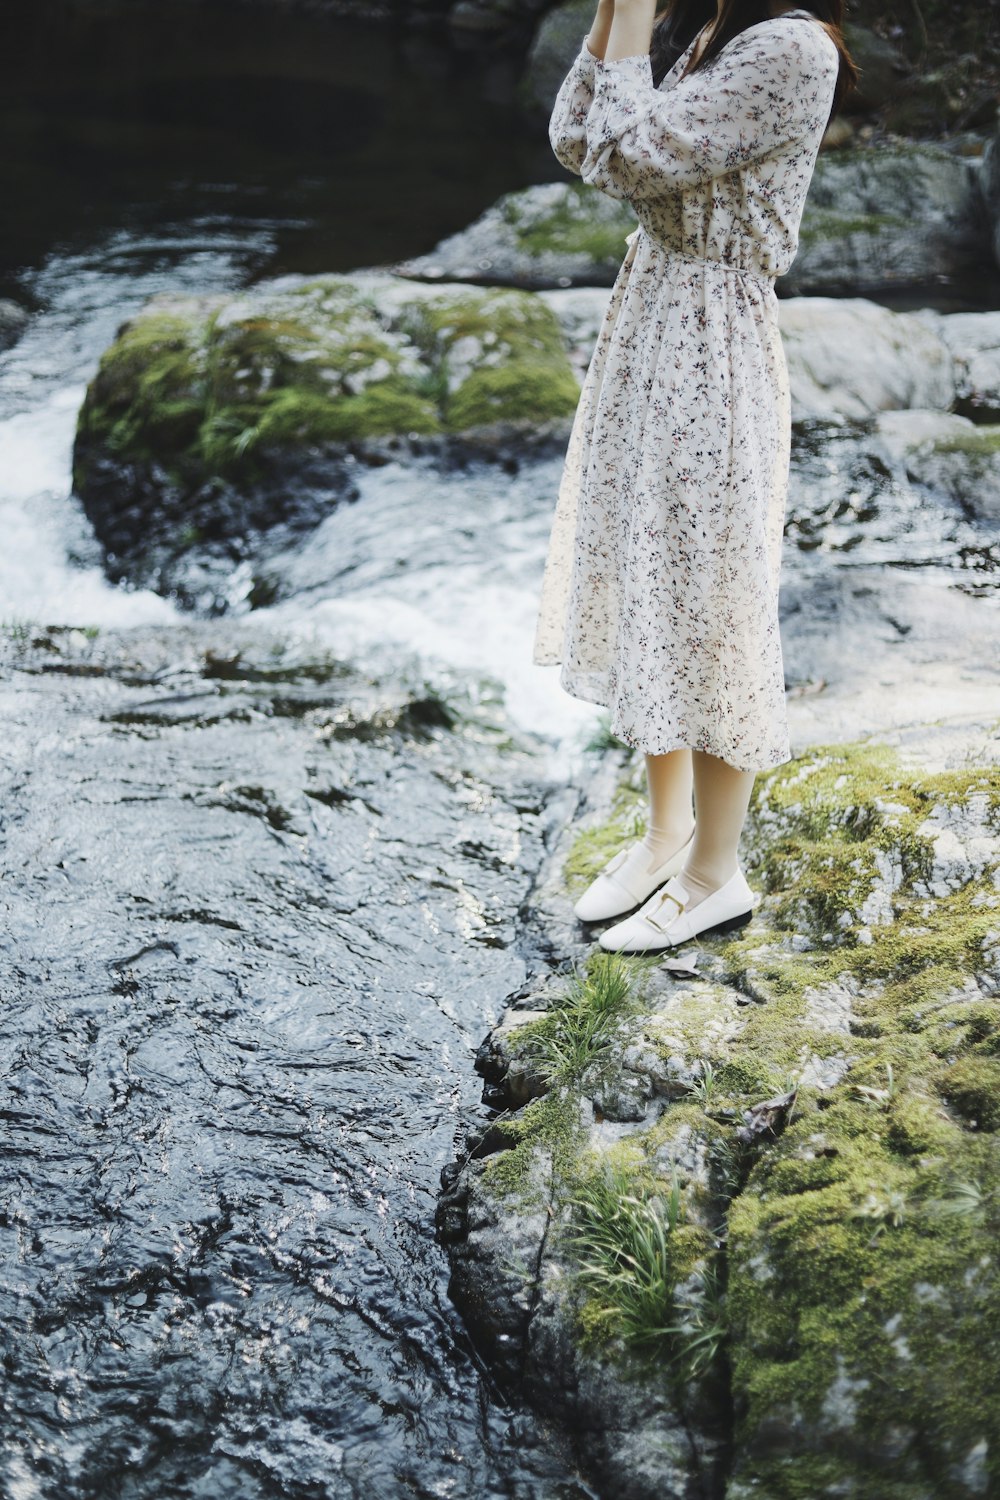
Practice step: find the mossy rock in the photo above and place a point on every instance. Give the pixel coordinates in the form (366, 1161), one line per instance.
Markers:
(203, 389)
(837, 1134)
(211, 422)
(556, 234)
(495, 356)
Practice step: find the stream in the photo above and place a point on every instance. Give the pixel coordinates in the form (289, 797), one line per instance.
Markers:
(267, 877)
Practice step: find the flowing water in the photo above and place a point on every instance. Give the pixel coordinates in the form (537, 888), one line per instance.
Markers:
(265, 877)
(260, 905)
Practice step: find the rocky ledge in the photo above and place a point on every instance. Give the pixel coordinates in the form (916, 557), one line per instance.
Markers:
(856, 233)
(732, 1217)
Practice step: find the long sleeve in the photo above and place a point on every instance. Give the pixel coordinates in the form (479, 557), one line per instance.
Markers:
(567, 126)
(771, 86)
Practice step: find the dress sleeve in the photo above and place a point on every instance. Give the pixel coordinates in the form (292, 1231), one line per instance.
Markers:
(771, 86)
(567, 127)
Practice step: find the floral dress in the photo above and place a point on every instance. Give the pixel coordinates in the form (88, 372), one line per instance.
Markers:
(660, 591)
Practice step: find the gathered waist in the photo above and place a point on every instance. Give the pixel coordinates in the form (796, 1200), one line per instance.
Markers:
(755, 273)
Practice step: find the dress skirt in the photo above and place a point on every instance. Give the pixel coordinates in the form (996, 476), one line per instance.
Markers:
(660, 591)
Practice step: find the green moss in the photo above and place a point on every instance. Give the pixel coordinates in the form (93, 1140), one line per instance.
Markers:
(149, 392)
(971, 1085)
(851, 1286)
(592, 847)
(494, 356)
(578, 224)
(550, 1124)
(522, 391)
(980, 443)
(209, 389)
(820, 224)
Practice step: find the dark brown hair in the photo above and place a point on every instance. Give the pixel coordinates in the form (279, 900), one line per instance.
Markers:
(677, 26)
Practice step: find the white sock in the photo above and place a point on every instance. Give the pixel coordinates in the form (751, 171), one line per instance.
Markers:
(662, 842)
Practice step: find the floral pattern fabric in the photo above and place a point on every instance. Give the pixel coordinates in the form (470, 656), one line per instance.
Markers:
(660, 591)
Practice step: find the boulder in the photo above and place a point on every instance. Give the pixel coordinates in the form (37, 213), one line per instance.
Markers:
(974, 342)
(555, 234)
(850, 357)
(212, 423)
(950, 453)
(885, 71)
(857, 229)
(856, 233)
(555, 45)
(990, 193)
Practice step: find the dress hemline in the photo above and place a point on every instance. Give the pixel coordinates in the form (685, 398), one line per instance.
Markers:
(689, 742)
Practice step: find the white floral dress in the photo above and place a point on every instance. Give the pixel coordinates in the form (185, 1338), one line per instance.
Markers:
(660, 591)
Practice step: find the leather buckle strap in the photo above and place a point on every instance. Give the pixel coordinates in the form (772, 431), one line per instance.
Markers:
(665, 896)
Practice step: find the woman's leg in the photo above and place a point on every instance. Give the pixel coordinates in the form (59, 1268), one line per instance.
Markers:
(670, 817)
(721, 799)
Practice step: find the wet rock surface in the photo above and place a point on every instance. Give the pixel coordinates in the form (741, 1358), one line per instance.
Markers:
(256, 908)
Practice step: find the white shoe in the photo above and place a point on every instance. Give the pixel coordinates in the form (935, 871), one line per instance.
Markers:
(625, 881)
(666, 919)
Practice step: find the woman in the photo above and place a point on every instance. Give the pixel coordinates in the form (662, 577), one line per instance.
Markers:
(660, 593)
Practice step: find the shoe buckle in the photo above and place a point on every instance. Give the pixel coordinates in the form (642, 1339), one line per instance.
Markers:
(665, 896)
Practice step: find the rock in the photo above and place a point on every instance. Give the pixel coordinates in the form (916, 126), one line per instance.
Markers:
(504, 1061)
(851, 357)
(990, 193)
(974, 341)
(555, 45)
(13, 321)
(556, 234)
(804, 1203)
(856, 232)
(857, 229)
(885, 72)
(951, 453)
(215, 428)
(580, 311)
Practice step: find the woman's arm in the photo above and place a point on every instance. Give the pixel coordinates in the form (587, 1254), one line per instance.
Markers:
(631, 31)
(567, 126)
(597, 39)
(771, 86)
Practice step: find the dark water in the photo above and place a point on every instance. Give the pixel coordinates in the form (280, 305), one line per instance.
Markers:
(359, 144)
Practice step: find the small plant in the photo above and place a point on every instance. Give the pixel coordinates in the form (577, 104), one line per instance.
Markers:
(705, 1088)
(18, 629)
(882, 1097)
(622, 1239)
(603, 739)
(625, 1238)
(245, 440)
(698, 1337)
(584, 1024)
(885, 1209)
(965, 1200)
